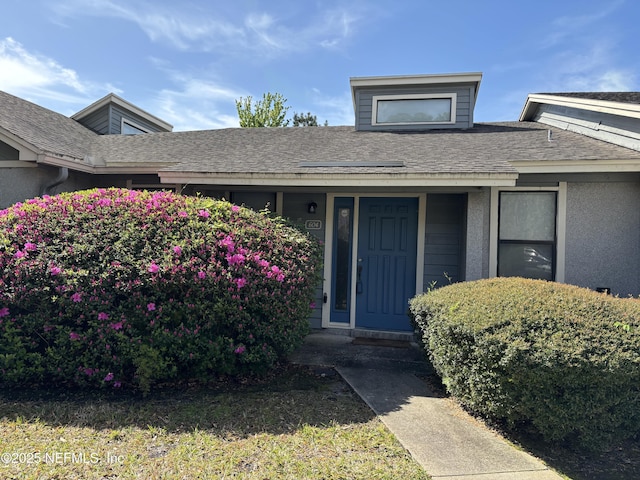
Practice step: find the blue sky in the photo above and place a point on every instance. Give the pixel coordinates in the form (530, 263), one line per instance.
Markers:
(187, 61)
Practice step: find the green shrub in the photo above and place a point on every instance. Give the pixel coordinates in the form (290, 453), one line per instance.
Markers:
(561, 359)
(117, 287)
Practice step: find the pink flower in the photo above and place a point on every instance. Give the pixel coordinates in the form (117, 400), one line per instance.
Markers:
(204, 213)
(241, 282)
(183, 214)
(116, 384)
(236, 259)
(19, 254)
(103, 316)
(275, 269)
(117, 326)
(89, 371)
(240, 350)
(228, 244)
(202, 275)
(263, 263)
(4, 311)
(30, 246)
(76, 297)
(74, 336)
(177, 250)
(312, 305)
(153, 268)
(280, 278)
(151, 307)
(55, 271)
(235, 208)
(109, 377)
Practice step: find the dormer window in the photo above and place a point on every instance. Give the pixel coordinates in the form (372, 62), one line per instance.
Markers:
(419, 109)
(415, 103)
(131, 128)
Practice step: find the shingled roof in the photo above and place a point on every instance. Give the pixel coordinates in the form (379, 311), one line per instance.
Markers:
(49, 132)
(486, 152)
(620, 97)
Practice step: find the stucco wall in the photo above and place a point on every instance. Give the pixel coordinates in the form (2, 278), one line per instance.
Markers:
(603, 236)
(22, 183)
(477, 248)
(18, 184)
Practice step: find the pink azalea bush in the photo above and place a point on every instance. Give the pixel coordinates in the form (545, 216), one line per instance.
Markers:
(128, 288)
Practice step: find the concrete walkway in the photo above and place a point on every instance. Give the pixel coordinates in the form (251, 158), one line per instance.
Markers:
(445, 440)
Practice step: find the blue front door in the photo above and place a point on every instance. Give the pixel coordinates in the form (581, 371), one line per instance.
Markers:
(386, 262)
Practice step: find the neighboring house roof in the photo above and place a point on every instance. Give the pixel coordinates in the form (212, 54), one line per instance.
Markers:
(624, 104)
(621, 97)
(48, 132)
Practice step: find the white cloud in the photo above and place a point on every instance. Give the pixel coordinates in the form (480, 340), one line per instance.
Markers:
(37, 77)
(593, 69)
(582, 53)
(607, 81)
(197, 104)
(184, 30)
(566, 27)
(251, 32)
(337, 110)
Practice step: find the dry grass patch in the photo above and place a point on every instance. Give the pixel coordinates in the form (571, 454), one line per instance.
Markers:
(298, 425)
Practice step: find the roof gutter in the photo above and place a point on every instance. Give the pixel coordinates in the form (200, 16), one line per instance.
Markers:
(63, 175)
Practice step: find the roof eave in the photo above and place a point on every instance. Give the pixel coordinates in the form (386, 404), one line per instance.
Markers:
(86, 167)
(430, 79)
(631, 110)
(577, 166)
(340, 180)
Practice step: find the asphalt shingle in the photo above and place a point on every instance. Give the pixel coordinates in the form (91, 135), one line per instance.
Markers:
(620, 97)
(485, 149)
(50, 132)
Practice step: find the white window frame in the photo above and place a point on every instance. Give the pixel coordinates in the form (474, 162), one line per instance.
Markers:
(133, 124)
(561, 226)
(420, 96)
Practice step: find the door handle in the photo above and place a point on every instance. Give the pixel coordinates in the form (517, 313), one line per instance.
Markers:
(359, 288)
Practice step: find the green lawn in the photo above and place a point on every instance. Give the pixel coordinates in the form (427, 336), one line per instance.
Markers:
(297, 425)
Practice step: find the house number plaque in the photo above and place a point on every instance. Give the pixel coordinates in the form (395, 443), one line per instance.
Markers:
(313, 224)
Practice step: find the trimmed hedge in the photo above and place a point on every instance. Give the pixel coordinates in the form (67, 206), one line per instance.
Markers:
(128, 288)
(561, 359)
